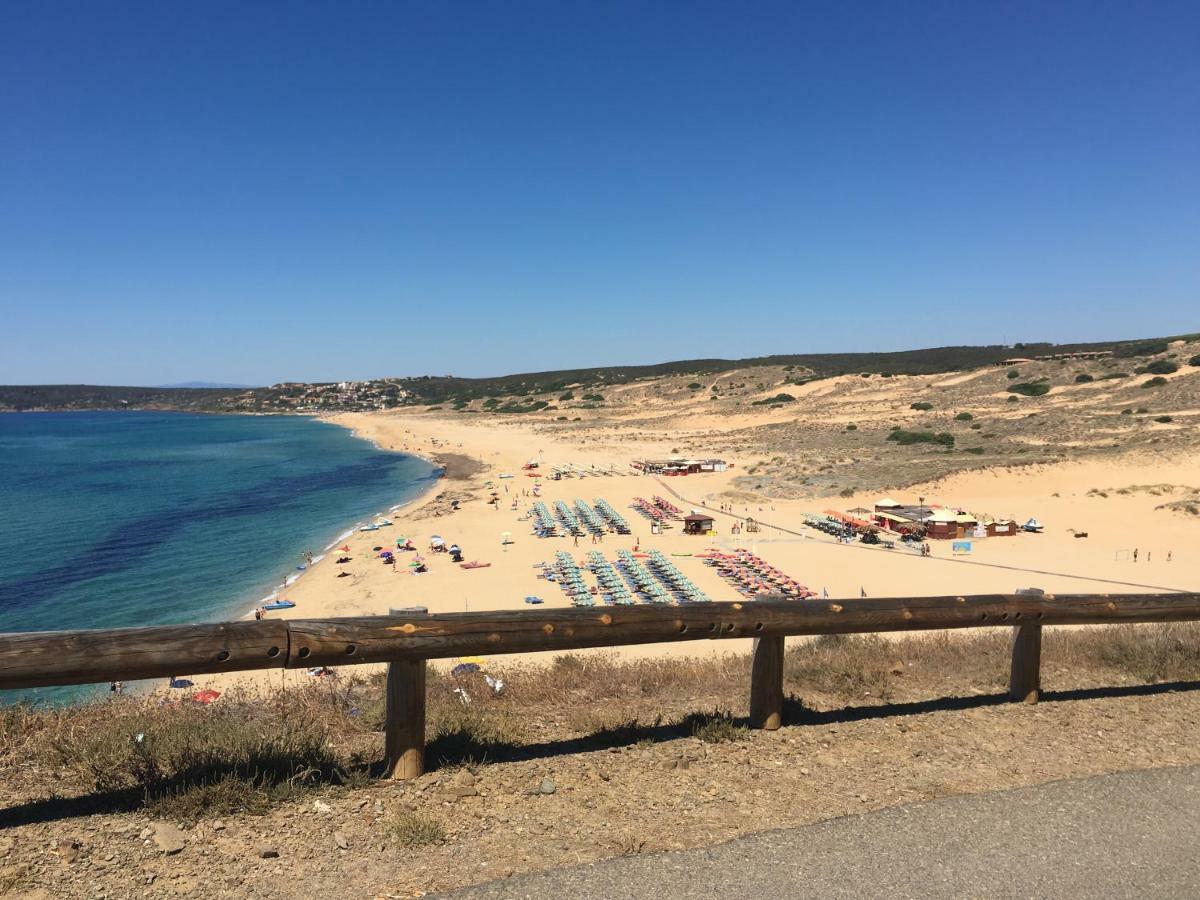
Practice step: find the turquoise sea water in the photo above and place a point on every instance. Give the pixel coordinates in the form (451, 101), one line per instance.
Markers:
(117, 519)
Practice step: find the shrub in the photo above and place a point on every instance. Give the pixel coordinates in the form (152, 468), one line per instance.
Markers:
(1156, 381)
(695, 386)
(1012, 374)
(1163, 419)
(715, 727)
(1195, 360)
(963, 417)
(975, 450)
(921, 405)
(1012, 399)
(852, 427)
(1162, 367)
(976, 427)
(1030, 388)
(1083, 378)
(904, 438)
(594, 398)
(569, 395)
(1141, 409)
(1108, 376)
(411, 829)
(1127, 412)
(778, 398)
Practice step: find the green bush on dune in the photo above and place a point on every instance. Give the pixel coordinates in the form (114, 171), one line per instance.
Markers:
(1030, 388)
(905, 438)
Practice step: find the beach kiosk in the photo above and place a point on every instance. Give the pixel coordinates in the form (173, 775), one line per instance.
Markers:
(697, 523)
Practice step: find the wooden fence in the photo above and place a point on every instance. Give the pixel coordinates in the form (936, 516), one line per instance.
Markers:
(406, 642)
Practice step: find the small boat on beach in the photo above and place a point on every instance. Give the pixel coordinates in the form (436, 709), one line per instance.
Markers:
(279, 604)
(369, 528)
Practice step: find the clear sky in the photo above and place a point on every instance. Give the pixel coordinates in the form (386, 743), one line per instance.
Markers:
(256, 192)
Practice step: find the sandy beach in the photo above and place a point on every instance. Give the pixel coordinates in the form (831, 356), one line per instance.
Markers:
(1066, 497)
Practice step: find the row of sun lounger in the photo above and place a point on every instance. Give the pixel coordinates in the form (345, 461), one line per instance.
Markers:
(649, 510)
(754, 576)
(667, 571)
(643, 581)
(571, 578)
(567, 518)
(614, 518)
(668, 507)
(612, 585)
(543, 523)
(587, 515)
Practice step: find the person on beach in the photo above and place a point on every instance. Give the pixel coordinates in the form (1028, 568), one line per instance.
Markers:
(1135, 554)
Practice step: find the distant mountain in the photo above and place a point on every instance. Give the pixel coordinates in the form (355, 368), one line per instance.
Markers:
(208, 385)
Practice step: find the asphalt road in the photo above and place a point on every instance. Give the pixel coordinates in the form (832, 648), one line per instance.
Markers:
(1134, 834)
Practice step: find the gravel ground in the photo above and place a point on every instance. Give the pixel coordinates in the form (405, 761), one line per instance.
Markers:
(1127, 835)
(561, 807)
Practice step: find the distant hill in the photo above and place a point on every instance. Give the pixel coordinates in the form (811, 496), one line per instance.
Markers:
(208, 385)
(386, 393)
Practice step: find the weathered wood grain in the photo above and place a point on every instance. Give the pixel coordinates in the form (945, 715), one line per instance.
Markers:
(82, 657)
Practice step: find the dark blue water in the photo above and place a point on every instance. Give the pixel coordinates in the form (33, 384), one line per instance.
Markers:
(139, 518)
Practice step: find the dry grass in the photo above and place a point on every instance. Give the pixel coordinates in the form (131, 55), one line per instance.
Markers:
(410, 829)
(245, 754)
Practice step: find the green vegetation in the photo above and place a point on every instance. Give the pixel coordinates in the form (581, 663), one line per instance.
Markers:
(852, 427)
(1162, 367)
(569, 395)
(1163, 419)
(921, 405)
(1012, 374)
(1145, 348)
(1030, 388)
(594, 398)
(963, 417)
(695, 386)
(975, 450)
(1109, 376)
(778, 398)
(1156, 381)
(1127, 412)
(1195, 360)
(1083, 378)
(976, 427)
(904, 438)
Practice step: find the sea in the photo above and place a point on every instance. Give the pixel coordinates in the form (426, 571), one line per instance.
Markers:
(114, 519)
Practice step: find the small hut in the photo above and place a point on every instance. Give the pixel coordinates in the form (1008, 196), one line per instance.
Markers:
(697, 523)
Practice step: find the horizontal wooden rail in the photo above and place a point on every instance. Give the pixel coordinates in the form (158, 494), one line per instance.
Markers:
(36, 659)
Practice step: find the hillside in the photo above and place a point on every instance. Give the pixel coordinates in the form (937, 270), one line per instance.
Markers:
(386, 393)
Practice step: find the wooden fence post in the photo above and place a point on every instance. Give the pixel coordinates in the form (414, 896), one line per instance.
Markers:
(766, 683)
(404, 727)
(1025, 682)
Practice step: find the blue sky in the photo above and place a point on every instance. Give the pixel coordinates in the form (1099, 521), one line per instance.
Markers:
(257, 192)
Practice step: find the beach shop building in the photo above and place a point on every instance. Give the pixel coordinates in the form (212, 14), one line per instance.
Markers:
(946, 524)
(677, 465)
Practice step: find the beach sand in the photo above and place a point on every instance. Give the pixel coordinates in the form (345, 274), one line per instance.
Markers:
(477, 451)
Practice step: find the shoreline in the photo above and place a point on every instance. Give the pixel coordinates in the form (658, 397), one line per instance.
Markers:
(415, 503)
